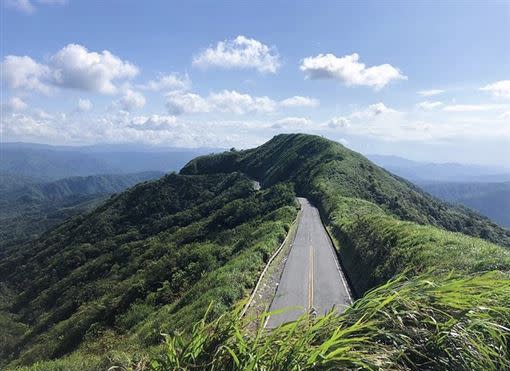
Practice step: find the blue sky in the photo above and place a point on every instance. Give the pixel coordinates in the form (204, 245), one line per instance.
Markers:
(427, 81)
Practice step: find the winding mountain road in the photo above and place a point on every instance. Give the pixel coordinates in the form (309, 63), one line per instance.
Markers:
(312, 278)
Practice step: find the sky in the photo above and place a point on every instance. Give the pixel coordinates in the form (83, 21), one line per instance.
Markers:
(428, 80)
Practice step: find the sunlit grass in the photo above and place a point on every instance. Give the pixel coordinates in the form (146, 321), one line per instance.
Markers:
(432, 321)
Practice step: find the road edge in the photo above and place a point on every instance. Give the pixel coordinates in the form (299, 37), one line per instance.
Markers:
(268, 264)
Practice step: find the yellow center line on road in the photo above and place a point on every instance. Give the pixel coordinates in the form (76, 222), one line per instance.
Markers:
(310, 280)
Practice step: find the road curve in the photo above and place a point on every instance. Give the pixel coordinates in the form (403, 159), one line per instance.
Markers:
(312, 277)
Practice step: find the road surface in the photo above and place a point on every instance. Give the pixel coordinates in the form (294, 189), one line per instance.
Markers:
(312, 277)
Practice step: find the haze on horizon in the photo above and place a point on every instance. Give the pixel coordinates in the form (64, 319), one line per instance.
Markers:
(426, 81)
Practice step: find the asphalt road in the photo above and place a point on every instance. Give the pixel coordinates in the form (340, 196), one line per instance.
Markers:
(312, 277)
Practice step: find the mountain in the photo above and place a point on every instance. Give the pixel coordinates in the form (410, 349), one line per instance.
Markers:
(146, 259)
(99, 290)
(489, 199)
(55, 162)
(440, 172)
(50, 164)
(28, 208)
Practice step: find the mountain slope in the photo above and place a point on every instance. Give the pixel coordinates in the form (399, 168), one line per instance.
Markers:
(28, 209)
(172, 245)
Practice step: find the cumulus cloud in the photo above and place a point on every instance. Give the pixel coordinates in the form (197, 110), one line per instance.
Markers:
(230, 101)
(71, 67)
(499, 88)
(153, 122)
(14, 104)
(430, 93)
(131, 100)
(294, 123)
(428, 105)
(350, 71)
(84, 105)
(240, 53)
(179, 103)
(170, 81)
(338, 122)
(23, 73)
(75, 67)
(299, 101)
(373, 110)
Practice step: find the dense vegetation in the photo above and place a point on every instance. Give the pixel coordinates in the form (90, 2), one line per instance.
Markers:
(432, 278)
(28, 208)
(148, 260)
(420, 323)
(328, 173)
(490, 199)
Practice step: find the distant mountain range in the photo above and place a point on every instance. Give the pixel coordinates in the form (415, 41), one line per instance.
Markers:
(490, 199)
(421, 172)
(46, 162)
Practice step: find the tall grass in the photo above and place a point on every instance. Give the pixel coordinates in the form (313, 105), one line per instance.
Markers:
(430, 322)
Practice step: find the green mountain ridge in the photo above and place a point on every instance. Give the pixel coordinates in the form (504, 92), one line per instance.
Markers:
(302, 158)
(28, 208)
(98, 290)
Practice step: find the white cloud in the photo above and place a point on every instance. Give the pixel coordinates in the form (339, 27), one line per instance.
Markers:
(430, 93)
(131, 100)
(40, 114)
(171, 81)
(75, 67)
(84, 105)
(373, 110)
(299, 101)
(153, 122)
(499, 88)
(229, 101)
(294, 123)
(429, 105)
(240, 53)
(349, 70)
(473, 107)
(338, 122)
(23, 73)
(24, 6)
(235, 102)
(71, 67)
(14, 104)
(179, 103)
(28, 7)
